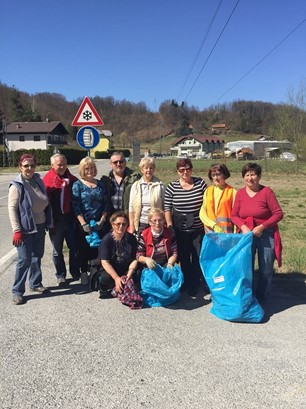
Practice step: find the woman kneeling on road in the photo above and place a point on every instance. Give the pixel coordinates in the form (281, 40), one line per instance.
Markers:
(157, 243)
(117, 253)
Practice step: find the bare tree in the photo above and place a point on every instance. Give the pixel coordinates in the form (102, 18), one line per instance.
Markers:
(290, 120)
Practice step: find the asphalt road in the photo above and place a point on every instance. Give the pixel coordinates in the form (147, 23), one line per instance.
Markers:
(7, 251)
(71, 350)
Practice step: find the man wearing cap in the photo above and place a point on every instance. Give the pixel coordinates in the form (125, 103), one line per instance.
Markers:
(58, 182)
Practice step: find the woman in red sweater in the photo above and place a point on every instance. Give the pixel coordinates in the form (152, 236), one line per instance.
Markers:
(256, 209)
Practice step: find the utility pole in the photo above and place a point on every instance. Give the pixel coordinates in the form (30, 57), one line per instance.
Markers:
(6, 153)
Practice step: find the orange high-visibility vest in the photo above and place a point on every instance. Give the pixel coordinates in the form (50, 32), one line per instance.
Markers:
(222, 215)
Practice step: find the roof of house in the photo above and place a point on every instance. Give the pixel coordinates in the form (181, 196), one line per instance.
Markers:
(218, 126)
(36, 127)
(199, 138)
(105, 132)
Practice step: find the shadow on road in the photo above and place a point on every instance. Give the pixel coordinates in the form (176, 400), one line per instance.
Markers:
(288, 290)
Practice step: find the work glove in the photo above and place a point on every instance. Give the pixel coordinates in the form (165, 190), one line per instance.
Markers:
(17, 238)
(86, 228)
(217, 229)
(150, 263)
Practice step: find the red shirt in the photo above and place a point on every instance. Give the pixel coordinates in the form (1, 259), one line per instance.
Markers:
(263, 207)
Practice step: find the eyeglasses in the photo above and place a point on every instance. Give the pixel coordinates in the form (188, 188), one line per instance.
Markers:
(215, 175)
(120, 224)
(28, 166)
(157, 221)
(183, 170)
(118, 162)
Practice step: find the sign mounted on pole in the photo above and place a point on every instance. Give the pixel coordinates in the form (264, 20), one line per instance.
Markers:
(88, 137)
(87, 115)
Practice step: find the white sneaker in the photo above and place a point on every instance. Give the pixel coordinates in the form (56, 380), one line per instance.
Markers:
(84, 279)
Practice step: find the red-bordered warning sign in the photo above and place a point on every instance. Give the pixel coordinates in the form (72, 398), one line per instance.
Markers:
(87, 115)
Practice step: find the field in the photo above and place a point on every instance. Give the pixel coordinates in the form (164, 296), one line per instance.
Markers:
(289, 185)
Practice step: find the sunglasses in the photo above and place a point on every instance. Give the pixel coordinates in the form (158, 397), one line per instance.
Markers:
(118, 162)
(28, 166)
(157, 221)
(183, 170)
(120, 224)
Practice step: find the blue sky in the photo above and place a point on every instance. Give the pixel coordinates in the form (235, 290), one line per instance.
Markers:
(142, 51)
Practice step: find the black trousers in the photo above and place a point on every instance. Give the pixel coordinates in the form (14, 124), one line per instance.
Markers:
(189, 246)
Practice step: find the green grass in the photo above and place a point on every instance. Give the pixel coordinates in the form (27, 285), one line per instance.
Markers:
(289, 187)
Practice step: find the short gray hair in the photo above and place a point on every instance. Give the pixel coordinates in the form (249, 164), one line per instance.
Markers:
(57, 155)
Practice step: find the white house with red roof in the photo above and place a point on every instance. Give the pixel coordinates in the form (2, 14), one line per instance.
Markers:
(196, 145)
(35, 135)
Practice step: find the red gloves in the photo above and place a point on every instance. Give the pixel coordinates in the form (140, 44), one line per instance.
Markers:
(17, 238)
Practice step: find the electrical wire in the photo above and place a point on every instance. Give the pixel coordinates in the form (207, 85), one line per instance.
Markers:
(200, 49)
(261, 60)
(214, 46)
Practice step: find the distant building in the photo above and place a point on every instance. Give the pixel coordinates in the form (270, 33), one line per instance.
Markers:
(105, 141)
(195, 145)
(219, 128)
(35, 135)
(261, 148)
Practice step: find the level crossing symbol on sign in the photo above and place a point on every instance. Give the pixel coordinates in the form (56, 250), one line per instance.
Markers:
(87, 115)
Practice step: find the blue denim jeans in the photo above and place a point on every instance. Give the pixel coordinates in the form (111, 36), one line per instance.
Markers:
(30, 254)
(264, 246)
(64, 230)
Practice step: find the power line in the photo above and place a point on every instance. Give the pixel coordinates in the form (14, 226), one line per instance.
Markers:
(200, 49)
(260, 61)
(207, 59)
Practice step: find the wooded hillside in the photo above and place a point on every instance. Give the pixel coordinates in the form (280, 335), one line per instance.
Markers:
(135, 122)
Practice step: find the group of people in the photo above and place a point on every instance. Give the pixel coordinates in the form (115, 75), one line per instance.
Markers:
(140, 221)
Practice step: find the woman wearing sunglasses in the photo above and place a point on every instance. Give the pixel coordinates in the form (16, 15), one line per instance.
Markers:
(117, 253)
(183, 201)
(30, 214)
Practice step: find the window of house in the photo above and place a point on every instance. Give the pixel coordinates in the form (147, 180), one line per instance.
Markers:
(21, 138)
(36, 138)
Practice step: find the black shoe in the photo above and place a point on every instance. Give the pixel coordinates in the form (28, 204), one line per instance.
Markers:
(105, 294)
(193, 292)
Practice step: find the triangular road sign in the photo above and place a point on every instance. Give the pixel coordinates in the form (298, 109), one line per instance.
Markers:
(87, 115)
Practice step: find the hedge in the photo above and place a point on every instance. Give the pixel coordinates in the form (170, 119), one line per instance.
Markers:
(73, 155)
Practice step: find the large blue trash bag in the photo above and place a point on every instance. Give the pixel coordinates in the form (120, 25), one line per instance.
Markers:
(161, 286)
(226, 262)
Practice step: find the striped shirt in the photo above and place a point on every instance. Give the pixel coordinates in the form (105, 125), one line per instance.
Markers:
(186, 201)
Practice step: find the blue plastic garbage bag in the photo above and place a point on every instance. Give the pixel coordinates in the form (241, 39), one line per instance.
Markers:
(226, 262)
(161, 286)
(93, 239)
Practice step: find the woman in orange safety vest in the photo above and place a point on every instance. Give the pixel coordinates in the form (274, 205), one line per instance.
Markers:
(218, 202)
